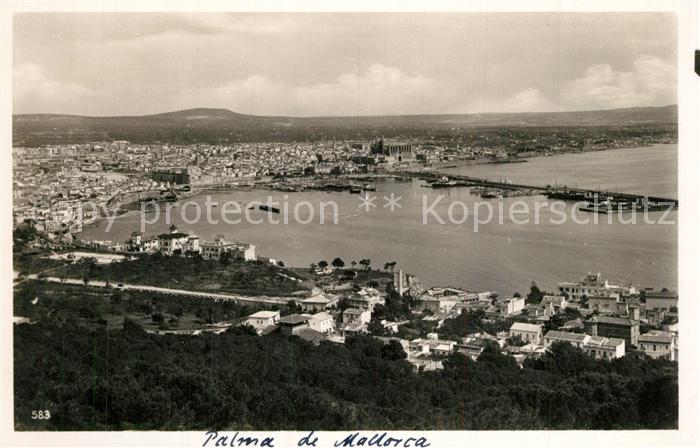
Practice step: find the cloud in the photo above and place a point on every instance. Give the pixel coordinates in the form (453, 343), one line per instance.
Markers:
(33, 89)
(527, 100)
(651, 81)
(379, 90)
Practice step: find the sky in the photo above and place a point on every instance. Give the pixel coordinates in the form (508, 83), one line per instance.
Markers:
(342, 64)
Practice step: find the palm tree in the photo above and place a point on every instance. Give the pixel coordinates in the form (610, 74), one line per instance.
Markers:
(386, 266)
(392, 265)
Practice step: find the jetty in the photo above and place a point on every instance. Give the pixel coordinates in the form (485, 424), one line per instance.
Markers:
(563, 193)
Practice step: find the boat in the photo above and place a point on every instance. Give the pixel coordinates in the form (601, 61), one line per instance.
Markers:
(355, 189)
(449, 184)
(567, 195)
(268, 208)
(368, 187)
(490, 194)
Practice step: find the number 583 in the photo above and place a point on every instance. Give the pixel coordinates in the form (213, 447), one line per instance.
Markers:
(41, 415)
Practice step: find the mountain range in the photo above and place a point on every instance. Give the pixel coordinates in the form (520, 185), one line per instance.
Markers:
(223, 125)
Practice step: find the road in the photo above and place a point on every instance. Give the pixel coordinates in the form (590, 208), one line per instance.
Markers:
(205, 295)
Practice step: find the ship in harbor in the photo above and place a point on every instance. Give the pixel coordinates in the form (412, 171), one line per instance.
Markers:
(369, 187)
(567, 195)
(445, 182)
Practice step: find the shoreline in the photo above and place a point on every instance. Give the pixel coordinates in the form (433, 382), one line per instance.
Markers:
(399, 174)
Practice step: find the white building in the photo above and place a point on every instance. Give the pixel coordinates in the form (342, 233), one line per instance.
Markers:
(319, 302)
(530, 333)
(593, 285)
(173, 242)
(575, 339)
(365, 299)
(605, 348)
(262, 319)
(352, 315)
(322, 322)
(355, 321)
(511, 307)
(556, 302)
(659, 344)
(214, 250)
(662, 300)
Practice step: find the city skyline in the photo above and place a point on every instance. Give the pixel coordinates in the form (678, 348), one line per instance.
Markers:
(349, 64)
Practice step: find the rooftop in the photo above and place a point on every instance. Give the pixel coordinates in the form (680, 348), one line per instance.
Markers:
(613, 320)
(321, 316)
(172, 236)
(657, 336)
(662, 294)
(265, 314)
(319, 298)
(294, 319)
(312, 336)
(566, 336)
(604, 342)
(521, 326)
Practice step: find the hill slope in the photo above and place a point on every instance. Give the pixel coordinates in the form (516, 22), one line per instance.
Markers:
(222, 125)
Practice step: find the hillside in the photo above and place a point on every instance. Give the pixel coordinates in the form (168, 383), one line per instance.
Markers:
(222, 125)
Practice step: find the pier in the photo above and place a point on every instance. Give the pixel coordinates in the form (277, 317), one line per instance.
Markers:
(559, 192)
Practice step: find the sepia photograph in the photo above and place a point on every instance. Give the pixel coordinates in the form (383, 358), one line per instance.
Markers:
(378, 223)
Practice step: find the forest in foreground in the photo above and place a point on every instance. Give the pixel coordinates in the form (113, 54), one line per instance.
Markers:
(93, 378)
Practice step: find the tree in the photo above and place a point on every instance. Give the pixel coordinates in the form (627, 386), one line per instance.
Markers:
(23, 234)
(366, 263)
(225, 258)
(386, 266)
(338, 262)
(392, 265)
(516, 341)
(584, 301)
(323, 264)
(376, 327)
(535, 295)
(291, 308)
(393, 351)
(312, 268)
